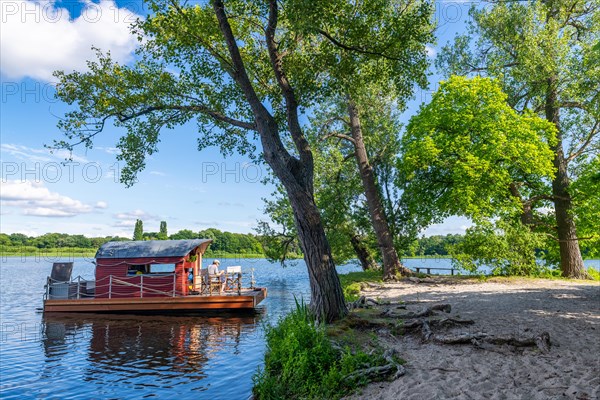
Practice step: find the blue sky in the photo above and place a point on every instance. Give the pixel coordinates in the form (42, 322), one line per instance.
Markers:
(187, 188)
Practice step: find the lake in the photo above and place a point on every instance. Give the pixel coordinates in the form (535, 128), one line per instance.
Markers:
(134, 357)
(138, 357)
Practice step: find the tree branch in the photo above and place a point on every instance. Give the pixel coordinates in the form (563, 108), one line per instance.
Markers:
(339, 136)
(238, 71)
(354, 48)
(222, 59)
(585, 144)
(291, 103)
(191, 108)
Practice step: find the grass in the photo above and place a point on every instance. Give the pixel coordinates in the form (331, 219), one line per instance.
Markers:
(595, 274)
(51, 253)
(352, 282)
(302, 362)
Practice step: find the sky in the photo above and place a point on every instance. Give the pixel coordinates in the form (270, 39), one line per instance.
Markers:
(189, 189)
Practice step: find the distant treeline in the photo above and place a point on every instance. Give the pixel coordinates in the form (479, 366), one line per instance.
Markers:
(223, 242)
(434, 245)
(55, 240)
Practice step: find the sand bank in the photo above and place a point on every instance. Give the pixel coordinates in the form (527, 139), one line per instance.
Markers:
(568, 310)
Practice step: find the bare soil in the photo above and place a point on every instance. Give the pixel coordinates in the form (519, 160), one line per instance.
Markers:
(569, 311)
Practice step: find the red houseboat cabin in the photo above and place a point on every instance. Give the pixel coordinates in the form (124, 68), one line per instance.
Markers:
(153, 268)
(149, 277)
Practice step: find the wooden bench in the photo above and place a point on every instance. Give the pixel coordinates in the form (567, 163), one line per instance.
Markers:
(428, 269)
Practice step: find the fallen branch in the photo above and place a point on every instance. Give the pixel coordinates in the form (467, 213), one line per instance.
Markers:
(541, 341)
(437, 323)
(427, 312)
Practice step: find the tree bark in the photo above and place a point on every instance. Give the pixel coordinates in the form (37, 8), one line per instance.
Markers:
(571, 262)
(362, 253)
(391, 262)
(527, 213)
(327, 297)
(296, 174)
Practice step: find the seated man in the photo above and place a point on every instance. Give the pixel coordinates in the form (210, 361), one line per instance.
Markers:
(213, 270)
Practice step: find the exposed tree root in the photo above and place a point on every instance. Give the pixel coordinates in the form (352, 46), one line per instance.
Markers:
(363, 302)
(392, 369)
(427, 312)
(428, 320)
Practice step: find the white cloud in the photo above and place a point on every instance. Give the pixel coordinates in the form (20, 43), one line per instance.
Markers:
(47, 212)
(431, 52)
(128, 219)
(39, 155)
(101, 205)
(157, 173)
(38, 38)
(452, 225)
(35, 199)
(229, 204)
(124, 224)
(109, 150)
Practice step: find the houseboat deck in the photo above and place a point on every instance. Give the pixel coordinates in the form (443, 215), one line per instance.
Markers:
(247, 299)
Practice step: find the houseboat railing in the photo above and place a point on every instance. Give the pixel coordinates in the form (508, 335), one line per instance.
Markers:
(76, 288)
(80, 288)
(115, 282)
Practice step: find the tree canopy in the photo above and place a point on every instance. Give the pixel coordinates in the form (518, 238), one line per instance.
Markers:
(241, 70)
(464, 151)
(545, 53)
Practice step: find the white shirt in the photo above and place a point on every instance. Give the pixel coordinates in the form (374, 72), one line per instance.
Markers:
(213, 269)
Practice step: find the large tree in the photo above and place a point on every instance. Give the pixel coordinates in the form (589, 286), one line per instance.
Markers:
(469, 153)
(230, 68)
(339, 190)
(379, 50)
(162, 234)
(138, 231)
(545, 53)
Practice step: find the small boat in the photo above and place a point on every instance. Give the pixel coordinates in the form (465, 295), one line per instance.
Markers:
(151, 276)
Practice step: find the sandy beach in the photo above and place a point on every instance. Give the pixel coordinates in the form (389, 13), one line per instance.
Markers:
(568, 310)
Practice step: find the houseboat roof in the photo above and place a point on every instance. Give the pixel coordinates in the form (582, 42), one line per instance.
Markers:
(150, 248)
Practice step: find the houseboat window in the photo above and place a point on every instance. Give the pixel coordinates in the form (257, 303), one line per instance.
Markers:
(137, 269)
(162, 269)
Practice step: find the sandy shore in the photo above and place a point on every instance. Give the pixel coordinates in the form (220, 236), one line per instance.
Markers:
(568, 311)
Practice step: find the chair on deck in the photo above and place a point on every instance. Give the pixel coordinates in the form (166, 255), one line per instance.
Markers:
(210, 283)
(234, 279)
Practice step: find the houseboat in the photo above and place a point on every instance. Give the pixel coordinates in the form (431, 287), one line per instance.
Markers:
(150, 277)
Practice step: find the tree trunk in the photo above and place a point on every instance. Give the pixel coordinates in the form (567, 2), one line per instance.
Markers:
(327, 297)
(391, 262)
(571, 263)
(366, 260)
(296, 174)
(527, 213)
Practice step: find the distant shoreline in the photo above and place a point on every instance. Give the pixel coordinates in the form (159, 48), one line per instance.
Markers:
(70, 252)
(76, 252)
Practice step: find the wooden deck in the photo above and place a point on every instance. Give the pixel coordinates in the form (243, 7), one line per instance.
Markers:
(247, 300)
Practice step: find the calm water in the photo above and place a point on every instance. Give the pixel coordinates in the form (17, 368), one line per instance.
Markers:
(134, 357)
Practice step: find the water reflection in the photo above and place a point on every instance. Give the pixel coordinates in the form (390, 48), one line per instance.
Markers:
(148, 352)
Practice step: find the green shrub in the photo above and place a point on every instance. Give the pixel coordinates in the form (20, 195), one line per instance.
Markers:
(595, 274)
(507, 247)
(351, 282)
(302, 363)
